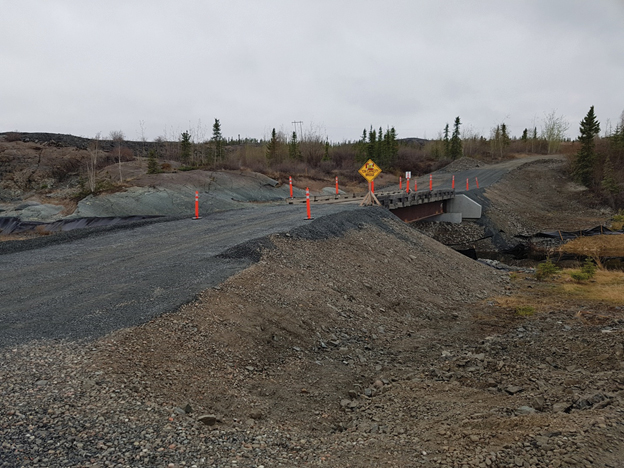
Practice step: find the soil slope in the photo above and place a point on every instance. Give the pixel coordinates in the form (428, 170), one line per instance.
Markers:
(378, 347)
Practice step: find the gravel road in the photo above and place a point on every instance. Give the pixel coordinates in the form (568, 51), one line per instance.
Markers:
(487, 174)
(91, 286)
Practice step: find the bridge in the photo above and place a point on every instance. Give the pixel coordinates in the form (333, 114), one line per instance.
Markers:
(434, 205)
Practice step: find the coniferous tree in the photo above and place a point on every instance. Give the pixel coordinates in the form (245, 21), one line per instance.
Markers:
(384, 158)
(609, 183)
(326, 152)
(447, 142)
(394, 147)
(456, 143)
(505, 140)
(271, 151)
(152, 163)
(185, 147)
(217, 140)
(584, 164)
(361, 148)
(379, 149)
(293, 148)
(525, 139)
(495, 141)
(372, 143)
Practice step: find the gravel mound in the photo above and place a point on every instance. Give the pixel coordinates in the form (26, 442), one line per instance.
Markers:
(462, 164)
(374, 346)
(175, 195)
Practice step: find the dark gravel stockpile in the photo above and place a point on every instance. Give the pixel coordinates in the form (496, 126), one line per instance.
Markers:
(73, 403)
(373, 346)
(123, 277)
(254, 338)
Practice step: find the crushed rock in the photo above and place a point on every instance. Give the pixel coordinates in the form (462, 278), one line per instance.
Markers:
(376, 347)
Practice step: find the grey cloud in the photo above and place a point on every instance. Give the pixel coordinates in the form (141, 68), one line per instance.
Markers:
(82, 67)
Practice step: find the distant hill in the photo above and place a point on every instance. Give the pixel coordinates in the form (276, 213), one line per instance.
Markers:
(60, 140)
(412, 141)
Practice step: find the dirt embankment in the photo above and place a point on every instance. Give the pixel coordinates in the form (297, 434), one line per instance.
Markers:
(378, 347)
(538, 196)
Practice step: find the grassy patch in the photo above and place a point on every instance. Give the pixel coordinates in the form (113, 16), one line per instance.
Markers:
(617, 222)
(596, 246)
(607, 286)
(525, 311)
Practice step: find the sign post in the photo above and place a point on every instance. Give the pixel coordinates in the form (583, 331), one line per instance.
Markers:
(369, 171)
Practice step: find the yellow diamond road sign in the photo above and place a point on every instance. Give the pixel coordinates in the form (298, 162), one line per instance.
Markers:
(370, 170)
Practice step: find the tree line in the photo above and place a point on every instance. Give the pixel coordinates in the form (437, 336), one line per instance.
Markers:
(598, 162)
(595, 166)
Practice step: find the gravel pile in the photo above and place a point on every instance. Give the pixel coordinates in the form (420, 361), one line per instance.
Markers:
(374, 347)
(462, 164)
(462, 235)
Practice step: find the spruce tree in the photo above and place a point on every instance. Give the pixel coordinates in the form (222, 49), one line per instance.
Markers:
(152, 163)
(505, 140)
(585, 162)
(609, 183)
(456, 143)
(372, 143)
(496, 141)
(271, 151)
(361, 148)
(447, 142)
(293, 148)
(394, 147)
(379, 149)
(326, 152)
(185, 147)
(525, 138)
(217, 140)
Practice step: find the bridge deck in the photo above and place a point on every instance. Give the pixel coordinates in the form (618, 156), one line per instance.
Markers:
(394, 200)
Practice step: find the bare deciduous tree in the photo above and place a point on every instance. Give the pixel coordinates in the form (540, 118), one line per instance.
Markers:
(553, 131)
(92, 163)
(117, 137)
(142, 126)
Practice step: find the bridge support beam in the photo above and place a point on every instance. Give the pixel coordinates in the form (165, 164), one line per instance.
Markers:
(409, 214)
(459, 208)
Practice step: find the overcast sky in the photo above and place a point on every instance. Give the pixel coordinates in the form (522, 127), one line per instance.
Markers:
(82, 67)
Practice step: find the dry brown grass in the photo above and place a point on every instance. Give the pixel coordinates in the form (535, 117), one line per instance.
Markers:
(606, 286)
(606, 289)
(596, 246)
(17, 237)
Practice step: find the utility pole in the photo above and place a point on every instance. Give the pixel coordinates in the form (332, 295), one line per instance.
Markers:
(300, 123)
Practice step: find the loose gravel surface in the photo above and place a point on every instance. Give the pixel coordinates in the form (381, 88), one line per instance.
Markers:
(364, 346)
(104, 281)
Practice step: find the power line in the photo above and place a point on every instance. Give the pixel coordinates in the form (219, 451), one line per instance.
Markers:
(300, 123)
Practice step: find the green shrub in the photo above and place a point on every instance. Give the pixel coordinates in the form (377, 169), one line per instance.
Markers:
(579, 276)
(617, 222)
(588, 268)
(525, 311)
(545, 270)
(152, 163)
